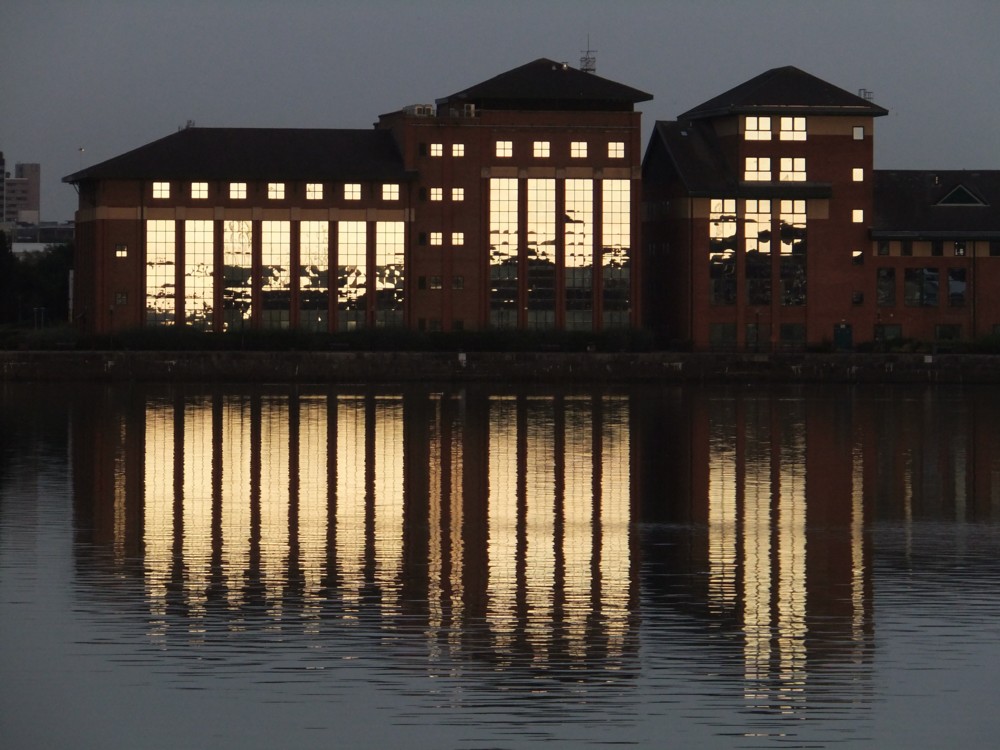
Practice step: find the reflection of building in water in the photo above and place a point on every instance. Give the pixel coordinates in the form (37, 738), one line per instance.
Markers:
(426, 511)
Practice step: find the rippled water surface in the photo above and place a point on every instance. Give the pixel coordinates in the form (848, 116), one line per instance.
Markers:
(492, 568)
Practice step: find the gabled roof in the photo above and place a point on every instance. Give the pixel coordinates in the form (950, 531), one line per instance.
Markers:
(257, 154)
(786, 90)
(921, 203)
(548, 85)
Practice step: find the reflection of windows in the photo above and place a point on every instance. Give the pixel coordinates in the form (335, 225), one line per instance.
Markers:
(199, 190)
(352, 191)
(238, 190)
(920, 287)
(757, 129)
(161, 189)
(505, 149)
(314, 191)
(458, 238)
(275, 191)
(437, 238)
(757, 168)
(437, 194)
(437, 149)
(458, 149)
(792, 169)
(793, 129)
(858, 174)
(540, 149)
(616, 150)
(458, 194)
(885, 289)
(578, 149)
(390, 192)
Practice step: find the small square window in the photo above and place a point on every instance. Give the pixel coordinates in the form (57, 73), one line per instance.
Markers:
(121, 298)
(859, 132)
(314, 191)
(858, 216)
(793, 129)
(161, 189)
(505, 149)
(437, 194)
(458, 282)
(199, 190)
(757, 169)
(238, 190)
(121, 251)
(437, 149)
(540, 149)
(458, 194)
(858, 257)
(792, 169)
(616, 150)
(437, 238)
(435, 282)
(858, 174)
(858, 298)
(960, 248)
(883, 247)
(458, 149)
(757, 129)
(275, 191)
(578, 150)
(390, 192)
(458, 238)
(352, 191)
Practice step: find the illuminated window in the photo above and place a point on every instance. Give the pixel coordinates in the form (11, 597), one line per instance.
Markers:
(314, 275)
(758, 168)
(276, 273)
(437, 149)
(437, 238)
(792, 263)
(199, 190)
(390, 192)
(857, 257)
(757, 234)
(541, 270)
(505, 149)
(458, 238)
(793, 128)
(503, 251)
(437, 194)
(858, 174)
(458, 149)
(578, 238)
(722, 243)
(352, 274)
(121, 251)
(161, 282)
(275, 191)
(238, 190)
(458, 194)
(616, 243)
(859, 132)
(578, 149)
(352, 191)
(616, 150)
(199, 273)
(757, 129)
(314, 191)
(540, 149)
(435, 282)
(237, 254)
(792, 170)
(389, 272)
(161, 189)
(858, 216)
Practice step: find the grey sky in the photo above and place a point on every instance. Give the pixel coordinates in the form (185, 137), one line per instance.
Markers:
(111, 75)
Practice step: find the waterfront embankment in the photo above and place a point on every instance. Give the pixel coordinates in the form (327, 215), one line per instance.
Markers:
(513, 367)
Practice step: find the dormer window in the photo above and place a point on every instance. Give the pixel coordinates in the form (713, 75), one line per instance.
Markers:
(793, 128)
(757, 128)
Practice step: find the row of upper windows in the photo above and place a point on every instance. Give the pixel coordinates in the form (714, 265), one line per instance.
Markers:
(792, 169)
(539, 149)
(275, 191)
(757, 128)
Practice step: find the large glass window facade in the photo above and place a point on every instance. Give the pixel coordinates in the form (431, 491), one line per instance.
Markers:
(389, 273)
(276, 276)
(503, 252)
(161, 272)
(237, 275)
(541, 253)
(579, 241)
(885, 291)
(314, 275)
(199, 273)
(793, 253)
(722, 252)
(352, 274)
(920, 287)
(616, 244)
(757, 233)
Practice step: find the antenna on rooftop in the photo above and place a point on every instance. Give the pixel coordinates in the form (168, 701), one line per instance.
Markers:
(588, 59)
(866, 94)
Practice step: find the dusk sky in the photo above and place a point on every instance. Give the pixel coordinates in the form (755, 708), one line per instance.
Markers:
(108, 76)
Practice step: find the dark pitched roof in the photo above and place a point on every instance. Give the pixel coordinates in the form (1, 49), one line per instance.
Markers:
(546, 84)
(786, 90)
(257, 153)
(912, 203)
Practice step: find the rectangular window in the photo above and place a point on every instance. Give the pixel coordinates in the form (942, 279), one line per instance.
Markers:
(937, 248)
(956, 287)
(858, 257)
(540, 149)
(920, 287)
(906, 248)
(275, 191)
(314, 275)
(859, 132)
(616, 252)
(505, 149)
(722, 335)
(616, 150)
(161, 189)
(885, 287)
(757, 129)
(793, 129)
(503, 250)
(458, 238)
(121, 298)
(458, 194)
(390, 192)
(238, 190)
(883, 247)
(858, 174)
(947, 332)
(121, 251)
(199, 190)
(458, 282)
(757, 230)
(435, 282)
(237, 274)
(792, 170)
(276, 273)
(792, 268)
(437, 194)
(458, 149)
(960, 248)
(858, 216)
(578, 238)
(352, 274)
(757, 169)
(437, 149)
(199, 271)
(437, 238)
(541, 268)
(578, 150)
(314, 191)
(389, 272)
(352, 191)
(161, 281)
(722, 252)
